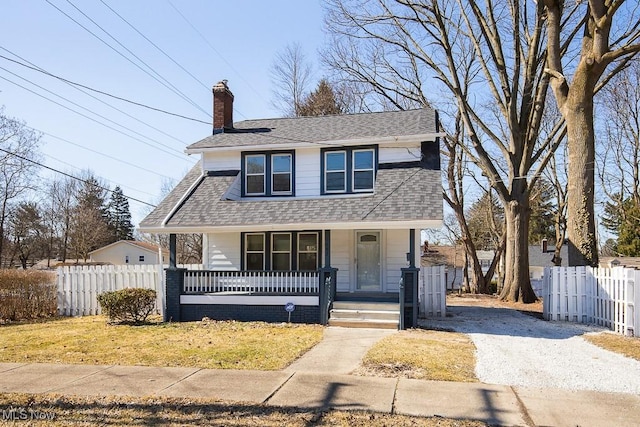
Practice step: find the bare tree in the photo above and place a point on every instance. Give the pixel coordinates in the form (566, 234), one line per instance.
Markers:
(574, 80)
(291, 76)
(484, 63)
(18, 150)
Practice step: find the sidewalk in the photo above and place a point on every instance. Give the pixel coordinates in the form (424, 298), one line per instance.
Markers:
(492, 404)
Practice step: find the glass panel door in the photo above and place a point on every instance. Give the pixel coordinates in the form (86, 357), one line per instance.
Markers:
(368, 261)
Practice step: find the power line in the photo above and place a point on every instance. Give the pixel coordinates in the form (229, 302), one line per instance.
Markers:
(70, 82)
(91, 118)
(166, 85)
(154, 45)
(71, 176)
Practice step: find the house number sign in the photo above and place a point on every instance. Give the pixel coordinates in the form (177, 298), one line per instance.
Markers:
(289, 307)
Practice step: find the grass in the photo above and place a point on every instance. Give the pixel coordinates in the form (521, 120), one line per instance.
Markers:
(422, 354)
(628, 346)
(157, 411)
(217, 345)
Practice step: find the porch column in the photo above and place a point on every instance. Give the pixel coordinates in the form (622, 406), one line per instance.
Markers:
(172, 252)
(409, 291)
(327, 248)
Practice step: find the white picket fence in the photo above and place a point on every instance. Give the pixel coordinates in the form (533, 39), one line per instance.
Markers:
(432, 291)
(608, 297)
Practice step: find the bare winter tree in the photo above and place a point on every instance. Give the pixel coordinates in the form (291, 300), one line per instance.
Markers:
(291, 74)
(619, 155)
(481, 61)
(18, 149)
(610, 33)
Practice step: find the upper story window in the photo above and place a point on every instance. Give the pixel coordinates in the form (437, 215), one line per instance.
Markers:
(268, 174)
(350, 170)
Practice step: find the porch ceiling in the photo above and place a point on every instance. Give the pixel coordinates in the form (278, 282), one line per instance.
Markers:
(404, 198)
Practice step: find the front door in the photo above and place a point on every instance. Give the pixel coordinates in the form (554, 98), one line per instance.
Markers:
(368, 261)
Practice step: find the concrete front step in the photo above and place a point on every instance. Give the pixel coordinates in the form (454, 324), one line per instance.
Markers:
(358, 314)
(357, 323)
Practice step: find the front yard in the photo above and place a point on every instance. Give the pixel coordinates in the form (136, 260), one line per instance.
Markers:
(207, 344)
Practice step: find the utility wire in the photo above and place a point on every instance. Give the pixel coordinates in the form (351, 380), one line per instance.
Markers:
(110, 106)
(41, 70)
(154, 45)
(91, 118)
(177, 92)
(71, 176)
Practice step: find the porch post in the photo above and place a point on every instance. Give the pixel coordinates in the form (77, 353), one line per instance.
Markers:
(327, 248)
(172, 251)
(410, 283)
(327, 281)
(174, 285)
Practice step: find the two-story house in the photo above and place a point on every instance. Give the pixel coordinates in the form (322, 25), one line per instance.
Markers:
(278, 200)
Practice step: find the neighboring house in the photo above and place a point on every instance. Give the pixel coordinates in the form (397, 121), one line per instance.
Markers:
(125, 252)
(450, 256)
(301, 200)
(541, 256)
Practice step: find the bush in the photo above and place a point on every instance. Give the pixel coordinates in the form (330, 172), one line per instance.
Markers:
(128, 305)
(27, 295)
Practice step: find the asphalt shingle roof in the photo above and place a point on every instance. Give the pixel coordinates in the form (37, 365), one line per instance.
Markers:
(401, 195)
(323, 128)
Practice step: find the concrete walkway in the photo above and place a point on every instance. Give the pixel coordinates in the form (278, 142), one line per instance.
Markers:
(492, 404)
(340, 350)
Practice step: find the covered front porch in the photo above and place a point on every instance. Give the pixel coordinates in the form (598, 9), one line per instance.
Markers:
(375, 267)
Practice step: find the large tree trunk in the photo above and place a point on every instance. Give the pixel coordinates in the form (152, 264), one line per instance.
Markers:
(517, 284)
(581, 227)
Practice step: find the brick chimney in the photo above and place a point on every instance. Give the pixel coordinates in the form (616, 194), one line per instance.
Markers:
(222, 107)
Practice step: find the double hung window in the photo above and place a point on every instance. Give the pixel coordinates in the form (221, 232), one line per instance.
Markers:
(281, 251)
(268, 174)
(350, 170)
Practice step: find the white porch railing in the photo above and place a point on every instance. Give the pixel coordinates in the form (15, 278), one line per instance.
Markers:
(268, 282)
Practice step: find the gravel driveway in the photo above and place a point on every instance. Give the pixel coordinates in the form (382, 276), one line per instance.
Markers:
(521, 350)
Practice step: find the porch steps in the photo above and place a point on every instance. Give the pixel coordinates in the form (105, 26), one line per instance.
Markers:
(359, 314)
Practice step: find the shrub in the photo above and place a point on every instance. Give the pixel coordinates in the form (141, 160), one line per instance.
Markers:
(128, 305)
(27, 294)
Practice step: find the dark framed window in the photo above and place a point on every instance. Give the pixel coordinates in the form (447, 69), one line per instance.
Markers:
(268, 174)
(281, 251)
(254, 251)
(335, 171)
(141, 258)
(349, 170)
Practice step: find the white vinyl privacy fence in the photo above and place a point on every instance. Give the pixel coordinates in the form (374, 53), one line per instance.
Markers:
(608, 297)
(432, 291)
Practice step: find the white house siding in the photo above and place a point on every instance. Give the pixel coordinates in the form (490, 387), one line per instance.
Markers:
(120, 252)
(396, 248)
(223, 251)
(342, 257)
(308, 172)
(221, 160)
(399, 154)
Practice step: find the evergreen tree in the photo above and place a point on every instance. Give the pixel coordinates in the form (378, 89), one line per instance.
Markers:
(120, 216)
(90, 224)
(321, 102)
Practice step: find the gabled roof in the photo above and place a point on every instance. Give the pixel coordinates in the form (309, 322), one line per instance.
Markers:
(409, 194)
(149, 247)
(323, 129)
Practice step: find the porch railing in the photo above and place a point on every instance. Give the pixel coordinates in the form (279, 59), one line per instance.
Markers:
(268, 282)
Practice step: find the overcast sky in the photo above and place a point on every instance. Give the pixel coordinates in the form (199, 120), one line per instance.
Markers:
(210, 40)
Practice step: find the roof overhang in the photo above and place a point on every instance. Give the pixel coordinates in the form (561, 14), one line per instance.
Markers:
(386, 225)
(387, 140)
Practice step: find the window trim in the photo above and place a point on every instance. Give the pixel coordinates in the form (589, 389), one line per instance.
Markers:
(350, 169)
(245, 250)
(344, 170)
(268, 249)
(372, 169)
(290, 173)
(246, 174)
(268, 173)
